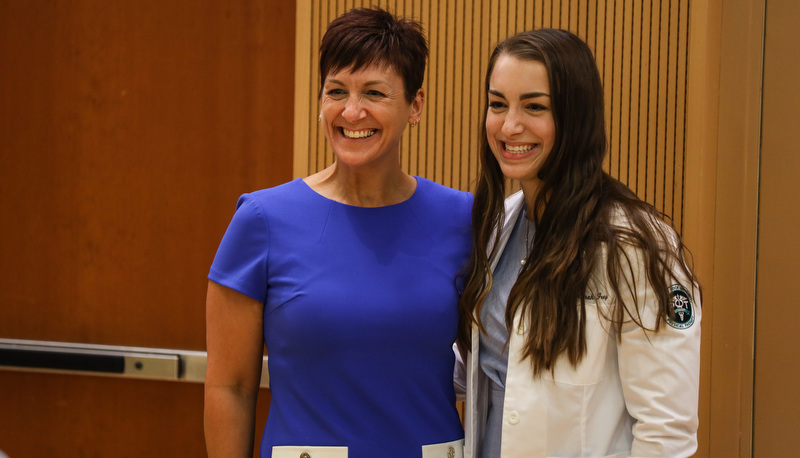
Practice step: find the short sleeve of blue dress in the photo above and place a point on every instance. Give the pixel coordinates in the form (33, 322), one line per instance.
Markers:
(360, 314)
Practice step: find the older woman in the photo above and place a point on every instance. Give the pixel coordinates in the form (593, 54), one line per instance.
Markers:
(346, 275)
(581, 317)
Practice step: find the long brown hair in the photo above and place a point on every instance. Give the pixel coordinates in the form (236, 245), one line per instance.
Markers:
(579, 212)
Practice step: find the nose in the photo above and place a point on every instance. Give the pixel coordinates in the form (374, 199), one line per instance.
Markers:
(353, 111)
(512, 124)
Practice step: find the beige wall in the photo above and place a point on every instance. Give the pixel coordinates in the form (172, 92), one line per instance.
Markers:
(777, 342)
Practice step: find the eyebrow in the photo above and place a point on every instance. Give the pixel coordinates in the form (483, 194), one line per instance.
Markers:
(368, 83)
(527, 95)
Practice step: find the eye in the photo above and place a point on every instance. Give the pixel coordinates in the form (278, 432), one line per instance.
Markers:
(535, 107)
(336, 93)
(376, 94)
(496, 105)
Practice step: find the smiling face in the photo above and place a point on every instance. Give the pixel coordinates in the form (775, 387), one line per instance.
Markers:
(364, 114)
(520, 127)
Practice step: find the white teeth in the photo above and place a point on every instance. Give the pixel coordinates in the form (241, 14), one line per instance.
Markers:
(518, 149)
(358, 133)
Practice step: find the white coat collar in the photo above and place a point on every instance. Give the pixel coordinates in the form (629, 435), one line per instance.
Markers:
(513, 207)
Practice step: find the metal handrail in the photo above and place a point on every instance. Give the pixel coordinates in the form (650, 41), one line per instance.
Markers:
(107, 360)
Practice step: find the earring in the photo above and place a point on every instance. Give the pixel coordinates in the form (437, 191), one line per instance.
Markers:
(320, 118)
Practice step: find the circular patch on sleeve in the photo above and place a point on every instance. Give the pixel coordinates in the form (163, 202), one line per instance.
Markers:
(681, 313)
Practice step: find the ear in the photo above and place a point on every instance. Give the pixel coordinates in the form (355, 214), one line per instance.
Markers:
(416, 107)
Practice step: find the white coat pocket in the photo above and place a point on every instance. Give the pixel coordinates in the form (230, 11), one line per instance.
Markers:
(590, 369)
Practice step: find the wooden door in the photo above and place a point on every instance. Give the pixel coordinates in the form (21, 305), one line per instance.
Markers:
(127, 131)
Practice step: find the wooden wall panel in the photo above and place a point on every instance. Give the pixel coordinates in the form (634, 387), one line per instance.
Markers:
(641, 50)
(128, 129)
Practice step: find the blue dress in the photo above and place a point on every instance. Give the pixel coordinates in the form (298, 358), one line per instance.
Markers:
(360, 314)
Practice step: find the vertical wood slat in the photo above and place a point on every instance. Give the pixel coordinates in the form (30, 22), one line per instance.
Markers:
(640, 47)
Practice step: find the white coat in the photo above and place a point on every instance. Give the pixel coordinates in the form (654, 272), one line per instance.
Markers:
(634, 397)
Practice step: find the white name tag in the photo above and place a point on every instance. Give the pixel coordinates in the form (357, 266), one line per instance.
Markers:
(453, 449)
(291, 451)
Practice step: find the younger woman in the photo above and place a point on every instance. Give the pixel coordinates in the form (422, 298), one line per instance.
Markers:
(580, 317)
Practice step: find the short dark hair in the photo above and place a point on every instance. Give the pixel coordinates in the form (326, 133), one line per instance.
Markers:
(373, 36)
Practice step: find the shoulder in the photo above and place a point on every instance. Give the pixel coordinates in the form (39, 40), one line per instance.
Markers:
(288, 189)
(627, 221)
(625, 213)
(442, 200)
(435, 192)
(442, 206)
(279, 197)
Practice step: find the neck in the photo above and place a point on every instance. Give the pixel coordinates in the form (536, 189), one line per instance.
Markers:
(531, 191)
(363, 188)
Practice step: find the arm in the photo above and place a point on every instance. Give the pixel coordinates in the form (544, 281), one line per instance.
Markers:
(234, 339)
(660, 374)
(459, 375)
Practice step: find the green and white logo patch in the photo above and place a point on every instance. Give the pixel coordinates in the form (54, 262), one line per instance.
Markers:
(681, 312)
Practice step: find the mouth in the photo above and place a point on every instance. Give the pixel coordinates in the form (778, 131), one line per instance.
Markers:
(364, 133)
(519, 149)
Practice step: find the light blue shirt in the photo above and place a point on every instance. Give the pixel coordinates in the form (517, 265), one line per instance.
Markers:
(493, 352)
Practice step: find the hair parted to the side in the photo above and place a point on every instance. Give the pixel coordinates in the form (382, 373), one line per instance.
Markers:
(577, 214)
(363, 37)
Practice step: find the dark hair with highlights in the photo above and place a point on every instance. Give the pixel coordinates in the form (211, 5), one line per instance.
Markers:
(373, 36)
(586, 221)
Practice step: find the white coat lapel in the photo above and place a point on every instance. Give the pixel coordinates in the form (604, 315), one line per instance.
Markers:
(514, 205)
